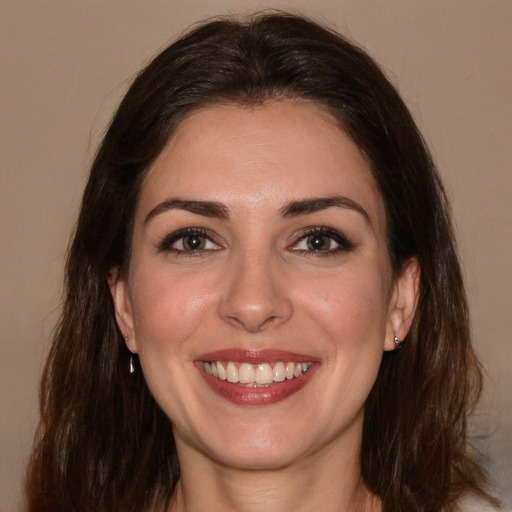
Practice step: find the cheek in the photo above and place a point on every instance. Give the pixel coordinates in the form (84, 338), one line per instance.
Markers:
(345, 315)
(169, 307)
(169, 311)
(350, 306)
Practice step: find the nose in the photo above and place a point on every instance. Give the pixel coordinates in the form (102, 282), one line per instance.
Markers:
(255, 298)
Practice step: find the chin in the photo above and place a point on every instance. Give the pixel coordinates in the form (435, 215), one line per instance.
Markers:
(247, 446)
(255, 457)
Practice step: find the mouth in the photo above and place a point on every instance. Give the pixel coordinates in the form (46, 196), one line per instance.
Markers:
(256, 377)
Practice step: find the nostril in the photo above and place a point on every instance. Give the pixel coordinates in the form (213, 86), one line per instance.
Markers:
(251, 323)
(256, 317)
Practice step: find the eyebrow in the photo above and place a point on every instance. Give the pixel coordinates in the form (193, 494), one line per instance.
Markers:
(204, 208)
(291, 209)
(316, 204)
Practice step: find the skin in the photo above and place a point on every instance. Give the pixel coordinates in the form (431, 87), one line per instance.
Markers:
(256, 285)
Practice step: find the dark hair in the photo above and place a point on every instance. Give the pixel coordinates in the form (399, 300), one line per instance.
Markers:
(103, 444)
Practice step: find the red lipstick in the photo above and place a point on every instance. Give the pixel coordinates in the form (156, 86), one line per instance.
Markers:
(251, 395)
(256, 356)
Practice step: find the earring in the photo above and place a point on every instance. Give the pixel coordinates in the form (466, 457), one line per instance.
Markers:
(398, 344)
(132, 367)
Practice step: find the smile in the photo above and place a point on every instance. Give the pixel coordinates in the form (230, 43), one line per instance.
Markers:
(256, 375)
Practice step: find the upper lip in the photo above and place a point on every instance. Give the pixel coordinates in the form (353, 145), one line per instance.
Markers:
(256, 356)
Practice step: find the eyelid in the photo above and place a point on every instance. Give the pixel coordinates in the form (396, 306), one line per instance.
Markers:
(165, 245)
(344, 244)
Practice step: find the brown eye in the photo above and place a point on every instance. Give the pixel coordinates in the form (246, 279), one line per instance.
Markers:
(319, 242)
(193, 243)
(322, 242)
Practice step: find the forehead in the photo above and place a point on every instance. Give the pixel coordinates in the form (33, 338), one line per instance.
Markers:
(264, 155)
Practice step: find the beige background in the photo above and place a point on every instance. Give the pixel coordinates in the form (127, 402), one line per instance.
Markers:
(65, 64)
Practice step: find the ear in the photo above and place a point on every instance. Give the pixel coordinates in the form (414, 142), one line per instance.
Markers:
(404, 300)
(123, 308)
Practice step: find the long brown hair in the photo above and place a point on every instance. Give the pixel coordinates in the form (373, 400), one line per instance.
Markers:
(103, 444)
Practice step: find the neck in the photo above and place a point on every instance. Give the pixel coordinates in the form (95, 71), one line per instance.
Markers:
(327, 481)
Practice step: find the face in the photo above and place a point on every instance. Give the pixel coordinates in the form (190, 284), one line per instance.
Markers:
(260, 295)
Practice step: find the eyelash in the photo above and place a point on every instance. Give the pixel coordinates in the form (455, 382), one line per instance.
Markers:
(343, 243)
(166, 245)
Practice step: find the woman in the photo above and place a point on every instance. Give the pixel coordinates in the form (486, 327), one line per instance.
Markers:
(264, 306)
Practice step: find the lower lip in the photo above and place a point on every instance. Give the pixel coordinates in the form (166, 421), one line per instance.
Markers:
(242, 395)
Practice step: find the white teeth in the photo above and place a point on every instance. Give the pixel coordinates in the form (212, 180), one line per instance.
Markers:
(221, 371)
(279, 372)
(262, 374)
(246, 373)
(232, 373)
